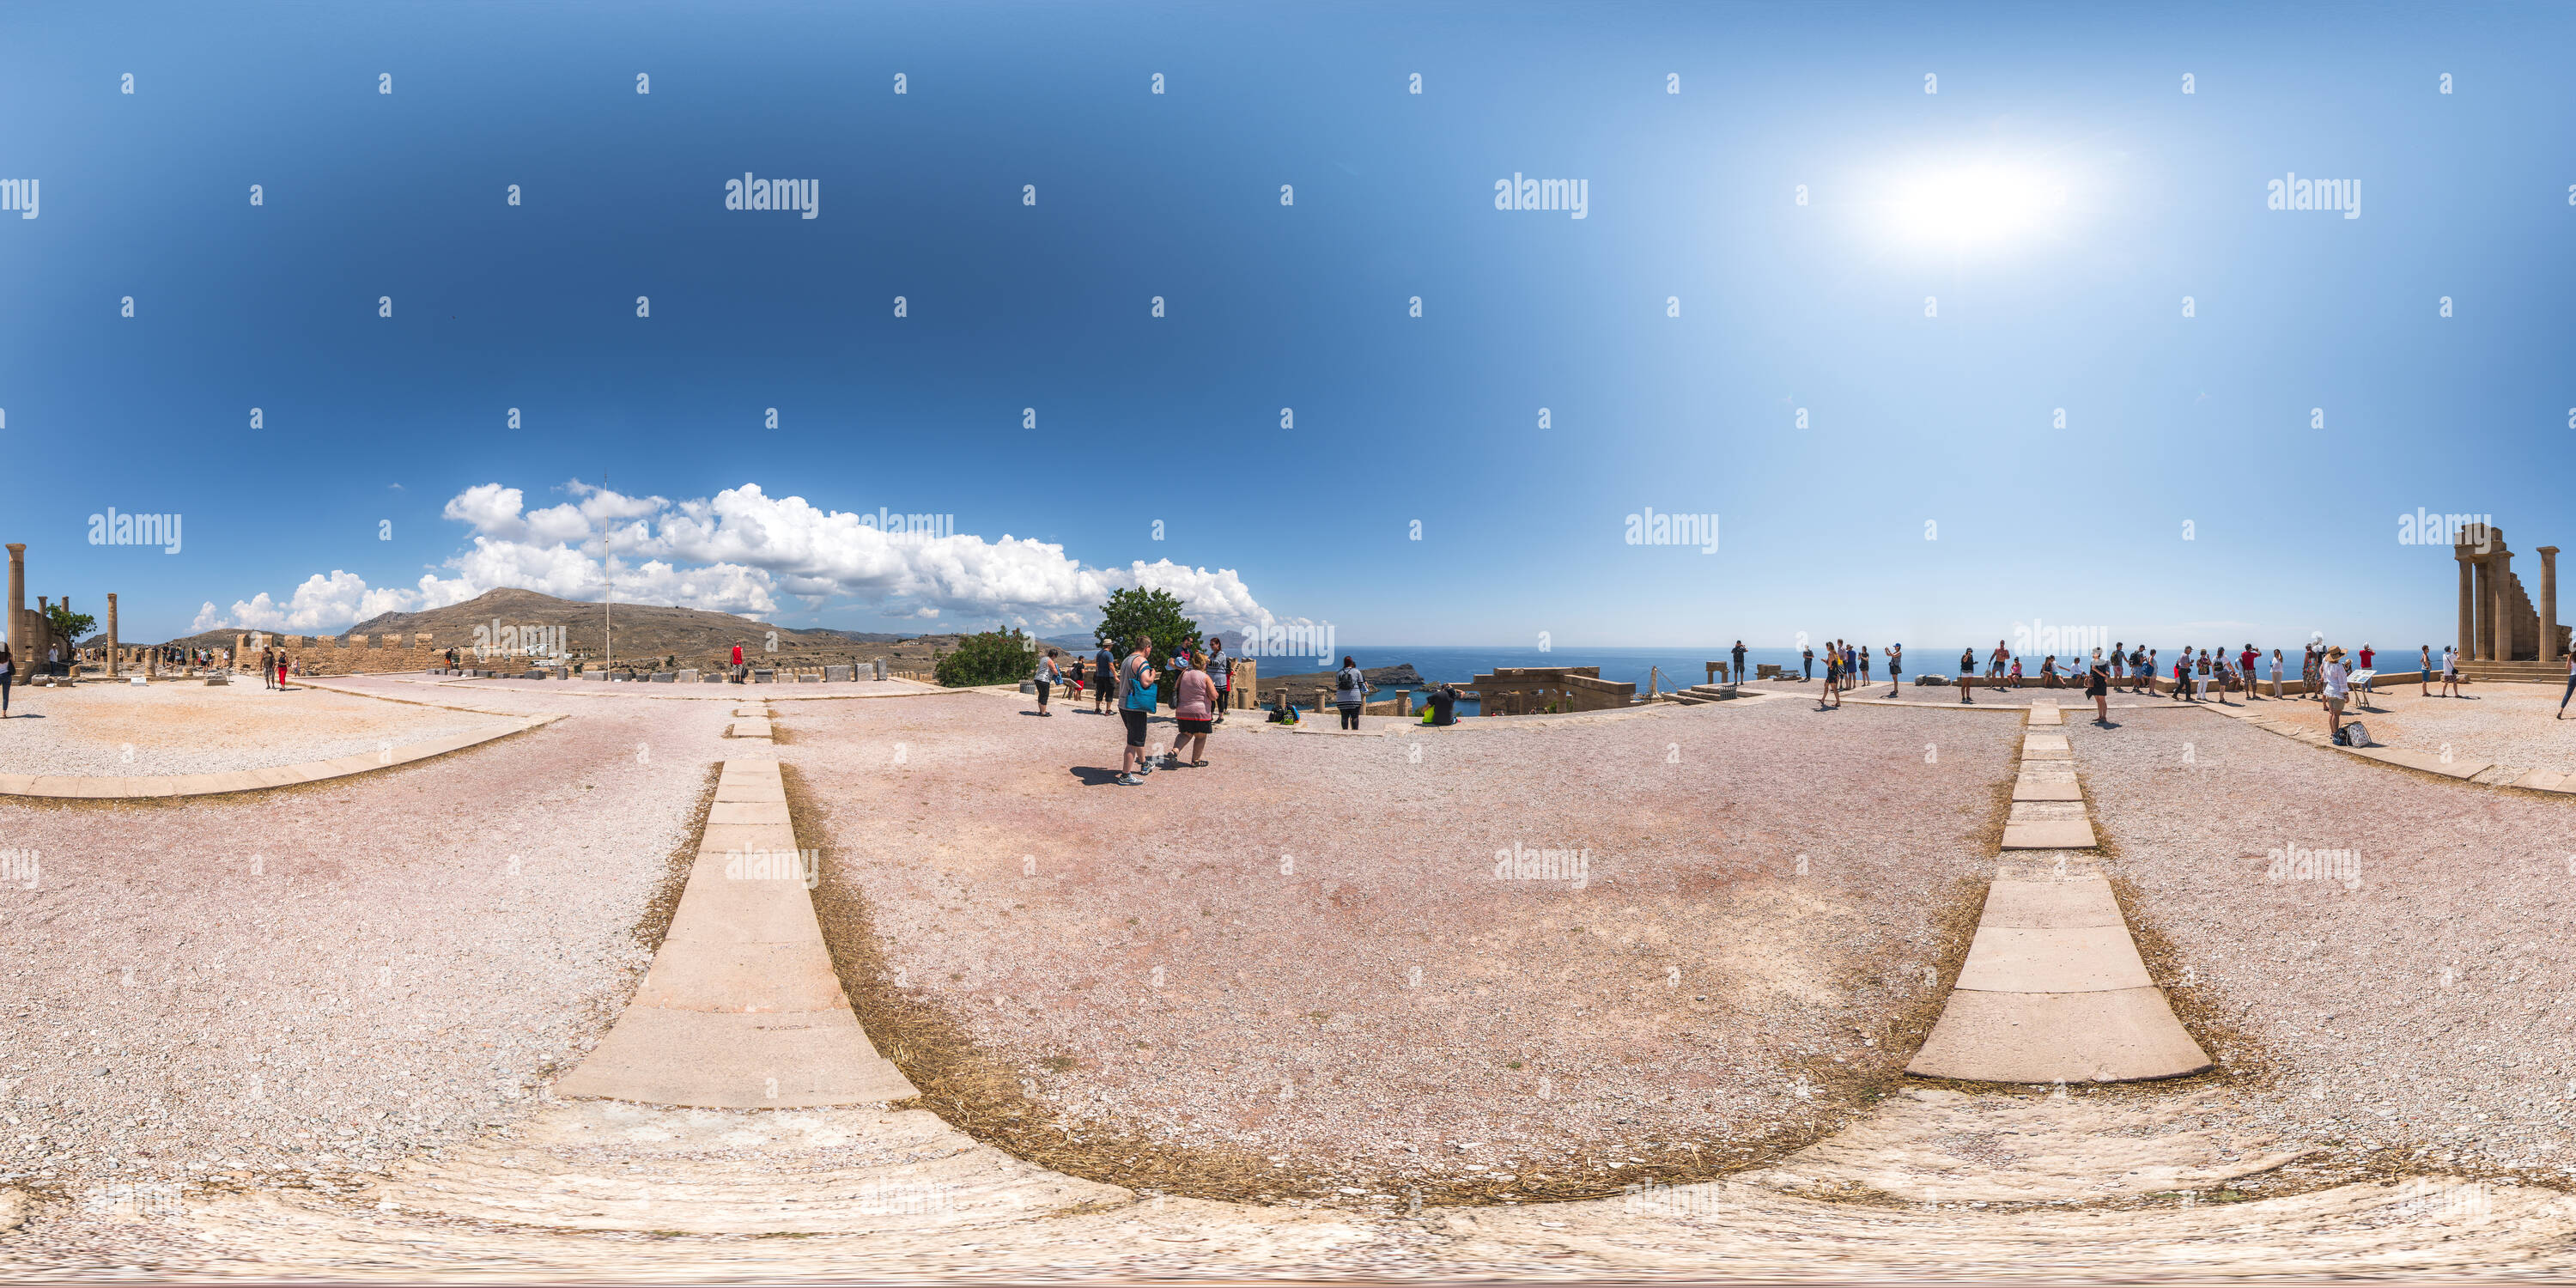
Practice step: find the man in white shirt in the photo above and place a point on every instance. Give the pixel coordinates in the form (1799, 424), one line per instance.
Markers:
(2450, 671)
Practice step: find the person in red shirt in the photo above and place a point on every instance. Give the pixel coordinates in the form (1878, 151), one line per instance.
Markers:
(737, 661)
(2365, 667)
(2245, 669)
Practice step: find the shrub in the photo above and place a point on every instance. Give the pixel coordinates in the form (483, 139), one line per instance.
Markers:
(993, 657)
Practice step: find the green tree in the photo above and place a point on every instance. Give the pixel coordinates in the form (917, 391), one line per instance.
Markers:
(68, 625)
(1130, 613)
(994, 657)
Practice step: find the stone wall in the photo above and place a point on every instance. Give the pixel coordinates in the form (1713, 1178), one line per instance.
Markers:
(355, 654)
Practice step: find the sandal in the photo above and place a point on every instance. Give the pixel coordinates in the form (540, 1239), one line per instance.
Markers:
(1198, 764)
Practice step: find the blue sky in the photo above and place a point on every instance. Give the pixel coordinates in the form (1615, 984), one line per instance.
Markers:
(2043, 303)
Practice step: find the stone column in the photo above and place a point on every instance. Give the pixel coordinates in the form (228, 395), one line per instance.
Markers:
(18, 605)
(2479, 598)
(2467, 636)
(111, 634)
(2502, 607)
(2548, 607)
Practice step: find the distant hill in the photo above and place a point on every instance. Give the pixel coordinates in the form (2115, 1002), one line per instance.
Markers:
(693, 635)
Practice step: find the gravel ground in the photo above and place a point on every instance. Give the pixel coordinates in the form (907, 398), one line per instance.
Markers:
(108, 730)
(1225, 958)
(2510, 724)
(455, 686)
(2430, 1003)
(320, 977)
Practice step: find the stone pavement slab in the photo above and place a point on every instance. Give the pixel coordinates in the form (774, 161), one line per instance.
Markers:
(2074, 959)
(2117, 1035)
(2046, 904)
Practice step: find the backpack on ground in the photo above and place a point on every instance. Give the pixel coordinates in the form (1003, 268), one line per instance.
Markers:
(2352, 735)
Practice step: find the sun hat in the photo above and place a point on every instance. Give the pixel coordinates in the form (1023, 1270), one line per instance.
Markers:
(2335, 651)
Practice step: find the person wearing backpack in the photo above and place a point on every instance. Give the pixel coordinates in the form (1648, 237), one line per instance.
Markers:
(1350, 693)
(1136, 680)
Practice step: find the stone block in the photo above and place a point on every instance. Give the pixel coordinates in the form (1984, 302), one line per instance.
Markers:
(664, 677)
(712, 677)
(2117, 1035)
(836, 673)
(688, 675)
(808, 677)
(595, 675)
(764, 677)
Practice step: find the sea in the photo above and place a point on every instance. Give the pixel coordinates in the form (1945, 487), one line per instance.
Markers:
(1672, 668)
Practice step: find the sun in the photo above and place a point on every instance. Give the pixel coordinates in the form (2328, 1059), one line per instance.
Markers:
(1976, 204)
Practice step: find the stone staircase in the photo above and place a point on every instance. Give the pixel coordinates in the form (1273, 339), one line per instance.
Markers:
(1699, 693)
(2525, 672)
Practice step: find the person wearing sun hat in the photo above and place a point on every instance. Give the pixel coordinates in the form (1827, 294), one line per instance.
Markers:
(2336, 690)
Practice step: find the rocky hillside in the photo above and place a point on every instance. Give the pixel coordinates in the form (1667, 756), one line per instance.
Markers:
(692, 635)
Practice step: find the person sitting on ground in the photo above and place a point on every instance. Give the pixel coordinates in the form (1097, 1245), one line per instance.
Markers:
(1443, 705)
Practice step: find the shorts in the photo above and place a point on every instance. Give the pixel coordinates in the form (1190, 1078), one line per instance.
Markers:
(1189, 726)
(1135, 726)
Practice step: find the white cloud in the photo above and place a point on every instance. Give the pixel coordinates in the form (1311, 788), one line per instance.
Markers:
(744, 551)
